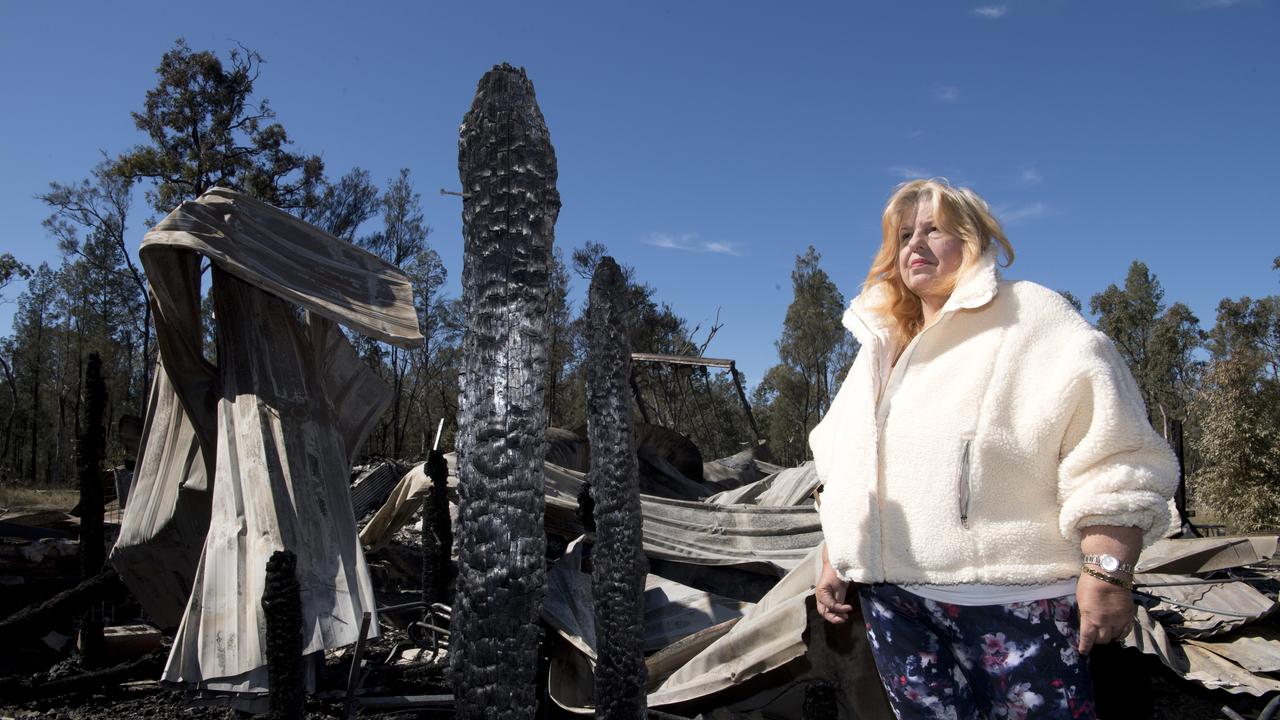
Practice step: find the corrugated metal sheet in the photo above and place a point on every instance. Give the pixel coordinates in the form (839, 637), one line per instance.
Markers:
(273, 427)
(785, 488)
(769, 540)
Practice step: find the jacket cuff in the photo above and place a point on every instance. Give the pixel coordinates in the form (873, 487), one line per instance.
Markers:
(1146, 510)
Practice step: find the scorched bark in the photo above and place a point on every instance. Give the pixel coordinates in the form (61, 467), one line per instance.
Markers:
(618, 562)
(510, 204)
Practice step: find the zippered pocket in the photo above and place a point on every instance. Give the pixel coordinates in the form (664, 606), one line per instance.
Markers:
(962, 491)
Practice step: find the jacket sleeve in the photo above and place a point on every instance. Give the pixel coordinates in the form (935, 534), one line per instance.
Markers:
(1114, 469)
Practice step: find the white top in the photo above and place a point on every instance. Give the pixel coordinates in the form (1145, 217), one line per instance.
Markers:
(971, 594)
(978, 594)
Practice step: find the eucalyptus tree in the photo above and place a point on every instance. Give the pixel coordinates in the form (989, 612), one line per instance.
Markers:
(204, 128)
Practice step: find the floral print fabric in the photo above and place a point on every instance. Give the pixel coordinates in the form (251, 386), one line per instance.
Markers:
(961, 662)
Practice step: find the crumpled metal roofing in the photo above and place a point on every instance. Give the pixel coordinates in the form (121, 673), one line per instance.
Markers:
(258, 448)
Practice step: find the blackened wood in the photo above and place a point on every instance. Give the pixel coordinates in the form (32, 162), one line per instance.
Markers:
(89, 464)
(509, 209)
(618, 563)
(437, 532)
(36, 620)
(282, 608)
(145, 668)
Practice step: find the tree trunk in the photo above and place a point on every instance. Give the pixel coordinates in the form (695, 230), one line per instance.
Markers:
(13, 409)
(618, 562)
(89, 464)
(35, 399)
(510, 204)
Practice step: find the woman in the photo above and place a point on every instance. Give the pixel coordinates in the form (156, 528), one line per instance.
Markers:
(989, 474)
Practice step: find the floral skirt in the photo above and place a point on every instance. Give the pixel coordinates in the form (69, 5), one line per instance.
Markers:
(960, 662)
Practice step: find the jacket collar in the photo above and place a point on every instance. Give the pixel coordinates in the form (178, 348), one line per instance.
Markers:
(975, 289)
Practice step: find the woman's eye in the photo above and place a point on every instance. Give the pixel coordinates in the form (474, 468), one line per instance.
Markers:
(906, 236)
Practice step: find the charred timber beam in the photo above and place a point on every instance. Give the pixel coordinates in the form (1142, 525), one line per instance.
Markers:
(509, 208)
(36, 620)
(742, 397)
(618, 562)
(144, 668)
(282, 608)
(437, 532)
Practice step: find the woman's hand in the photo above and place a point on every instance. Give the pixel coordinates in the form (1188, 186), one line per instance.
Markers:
(1106, 612)
(830, 594)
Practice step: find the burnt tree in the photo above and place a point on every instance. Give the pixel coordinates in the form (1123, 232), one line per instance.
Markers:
(282, 609)
(437, 532)
(618, 563)
(93, 552)
(509, 209)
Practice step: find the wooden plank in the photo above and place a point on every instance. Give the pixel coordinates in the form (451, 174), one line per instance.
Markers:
(681, 360)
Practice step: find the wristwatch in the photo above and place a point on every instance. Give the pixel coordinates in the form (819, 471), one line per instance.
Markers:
(1109, 563)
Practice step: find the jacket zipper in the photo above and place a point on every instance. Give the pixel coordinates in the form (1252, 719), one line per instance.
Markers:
(964, 489)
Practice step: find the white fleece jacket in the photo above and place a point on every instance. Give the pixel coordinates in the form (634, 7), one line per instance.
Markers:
(1010, 425)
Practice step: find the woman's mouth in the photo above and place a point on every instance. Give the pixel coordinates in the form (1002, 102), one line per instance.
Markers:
(919, 262)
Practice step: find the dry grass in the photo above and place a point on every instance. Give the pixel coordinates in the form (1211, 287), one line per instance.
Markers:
(25, 498)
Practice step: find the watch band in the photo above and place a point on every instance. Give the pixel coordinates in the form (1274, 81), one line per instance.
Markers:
(1118, 582)
(1109, 563)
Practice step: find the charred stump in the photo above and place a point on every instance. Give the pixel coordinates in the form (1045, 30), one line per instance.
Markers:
(618, 563)
(282, 609)
(93, 552)
(437, 532)
(509, 209)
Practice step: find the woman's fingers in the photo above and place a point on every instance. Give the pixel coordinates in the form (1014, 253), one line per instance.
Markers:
(830, 607)
(830, 600)
(1106, 612)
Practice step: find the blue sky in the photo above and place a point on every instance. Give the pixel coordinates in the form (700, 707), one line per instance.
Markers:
(708, 143)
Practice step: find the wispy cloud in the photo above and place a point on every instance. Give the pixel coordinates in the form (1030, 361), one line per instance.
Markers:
(946, 93)
(1216, 4)
(914, 134)
(991, 12)
(1030, 176)
(688, 242)
(907, 172)
(1022, 213)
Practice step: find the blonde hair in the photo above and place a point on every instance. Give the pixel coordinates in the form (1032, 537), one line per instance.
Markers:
(956, 210)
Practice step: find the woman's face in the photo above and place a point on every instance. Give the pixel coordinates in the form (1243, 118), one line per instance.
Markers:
(928, 257)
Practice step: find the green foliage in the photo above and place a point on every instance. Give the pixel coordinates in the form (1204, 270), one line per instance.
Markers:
(1158, 344)
(204, 129)
(815, 352)
(11, 269)
(1239, 411)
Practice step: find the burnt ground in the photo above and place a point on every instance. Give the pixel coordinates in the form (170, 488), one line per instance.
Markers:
(1172, 697)
(146, 699)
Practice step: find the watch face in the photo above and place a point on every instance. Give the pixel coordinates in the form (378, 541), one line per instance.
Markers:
(1109, 563)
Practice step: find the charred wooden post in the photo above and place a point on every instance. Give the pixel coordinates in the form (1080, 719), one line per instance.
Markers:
(437, 532)
(618, 562)
(509, 209)
(587, 508)
(282, 608)
(30, 623)
(93, 552)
